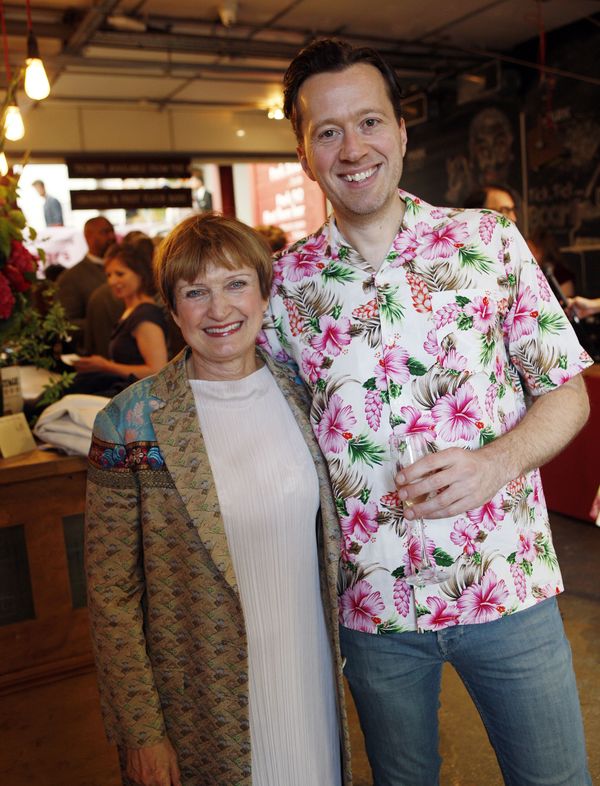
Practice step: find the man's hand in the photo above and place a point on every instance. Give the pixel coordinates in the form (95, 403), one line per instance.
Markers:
(154, 765)
(460, 480)
(454, 480)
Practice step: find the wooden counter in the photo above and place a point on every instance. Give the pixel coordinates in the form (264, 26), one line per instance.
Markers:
(571, 479)
(43, 619)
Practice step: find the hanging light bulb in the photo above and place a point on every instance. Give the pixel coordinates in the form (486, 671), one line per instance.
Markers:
(3, 164)
(36, 85)
(13, 123)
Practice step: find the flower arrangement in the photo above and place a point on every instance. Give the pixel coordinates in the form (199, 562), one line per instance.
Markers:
(17, 265)
(32, 322)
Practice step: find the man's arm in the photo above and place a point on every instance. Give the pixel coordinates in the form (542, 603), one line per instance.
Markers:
(466, 479)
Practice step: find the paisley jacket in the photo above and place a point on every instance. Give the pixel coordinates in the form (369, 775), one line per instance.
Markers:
(166, 617)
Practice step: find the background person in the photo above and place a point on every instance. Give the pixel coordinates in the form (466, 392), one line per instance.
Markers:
(201, 198)
(77, 283)
(544, 247)
(274, 235)
(405, 318)
(585, 306)
(53, 214)
(138, 345)
(211, 638)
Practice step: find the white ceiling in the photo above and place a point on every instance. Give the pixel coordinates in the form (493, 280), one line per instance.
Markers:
(169, 54)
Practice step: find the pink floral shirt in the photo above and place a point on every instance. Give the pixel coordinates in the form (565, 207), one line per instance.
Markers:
(444, 340)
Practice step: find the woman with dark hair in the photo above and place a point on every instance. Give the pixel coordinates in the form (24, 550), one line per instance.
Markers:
(138, 345)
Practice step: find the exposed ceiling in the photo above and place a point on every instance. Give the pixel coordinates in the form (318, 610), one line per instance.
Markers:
(230, 54)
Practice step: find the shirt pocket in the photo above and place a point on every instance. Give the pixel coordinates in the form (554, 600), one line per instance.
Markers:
(468, 326)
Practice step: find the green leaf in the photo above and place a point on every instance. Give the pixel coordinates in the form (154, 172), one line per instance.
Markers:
(442, 558)
(411, 205)
(398, 573)
(512, 558)
(488, 348)
(385, 396)
(336, 311)
(336, 272)
(364, 495)
(343, 253)
(370, 384)
(416, 368)
(363, 449)
(552, 323)
(462, 300)
(470, 256)
(390, 306)
(421, 610)
(396, 420)
(464, 322)
(486, 435)
(394, 390)
(527, 567)
(563, 362)
(340, 505)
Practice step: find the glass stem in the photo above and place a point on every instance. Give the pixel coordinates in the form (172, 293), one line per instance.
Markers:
(425, 563)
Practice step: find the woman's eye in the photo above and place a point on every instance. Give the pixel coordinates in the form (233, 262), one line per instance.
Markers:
(194, 293)
(237, 284)
(328, 133)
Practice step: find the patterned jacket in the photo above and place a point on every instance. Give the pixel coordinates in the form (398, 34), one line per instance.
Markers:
(165, 612)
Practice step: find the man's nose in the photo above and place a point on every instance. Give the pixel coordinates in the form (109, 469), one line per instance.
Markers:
(353, 146)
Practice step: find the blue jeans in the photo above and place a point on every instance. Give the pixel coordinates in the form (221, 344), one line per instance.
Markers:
(518, 671)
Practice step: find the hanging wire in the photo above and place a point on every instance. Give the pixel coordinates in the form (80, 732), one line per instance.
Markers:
(5, 44)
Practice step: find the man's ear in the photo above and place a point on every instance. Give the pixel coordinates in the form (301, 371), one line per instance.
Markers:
(304, 163)
(403, 135)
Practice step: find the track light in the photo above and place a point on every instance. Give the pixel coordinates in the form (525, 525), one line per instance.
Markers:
(3, 164)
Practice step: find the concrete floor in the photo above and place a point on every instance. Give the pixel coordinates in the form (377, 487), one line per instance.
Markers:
(53, 736)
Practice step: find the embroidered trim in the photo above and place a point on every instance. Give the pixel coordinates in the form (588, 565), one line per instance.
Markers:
(132, 456)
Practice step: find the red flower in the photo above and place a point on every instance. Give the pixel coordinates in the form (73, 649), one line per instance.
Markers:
(20, 257)
(7, 300)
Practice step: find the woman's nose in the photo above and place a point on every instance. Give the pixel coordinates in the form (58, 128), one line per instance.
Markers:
(219, 306)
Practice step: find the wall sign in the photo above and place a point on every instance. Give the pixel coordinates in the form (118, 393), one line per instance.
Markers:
(130, 198)
(109, 166)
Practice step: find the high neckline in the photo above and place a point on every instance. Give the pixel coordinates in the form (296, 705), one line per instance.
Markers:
(255, 384)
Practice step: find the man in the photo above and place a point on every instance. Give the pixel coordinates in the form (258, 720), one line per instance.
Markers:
(53, 214)
(494, 197)
(405, 318)
(201, 198)
(76, 284)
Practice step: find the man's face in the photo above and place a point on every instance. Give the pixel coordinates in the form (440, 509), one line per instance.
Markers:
(99, 236)
(501, 201)
(352, 143)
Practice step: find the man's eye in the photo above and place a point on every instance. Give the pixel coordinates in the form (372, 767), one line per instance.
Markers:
(329, 133)
(371, 122)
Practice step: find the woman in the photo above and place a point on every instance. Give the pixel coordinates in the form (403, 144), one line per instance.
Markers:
(138, 345)
(213, 646)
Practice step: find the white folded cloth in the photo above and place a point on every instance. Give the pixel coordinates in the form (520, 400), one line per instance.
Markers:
(67, 424)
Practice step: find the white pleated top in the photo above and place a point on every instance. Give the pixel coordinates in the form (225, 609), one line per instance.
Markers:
(269, 496)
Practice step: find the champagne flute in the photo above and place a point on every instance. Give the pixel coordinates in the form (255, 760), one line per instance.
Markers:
(408, 449)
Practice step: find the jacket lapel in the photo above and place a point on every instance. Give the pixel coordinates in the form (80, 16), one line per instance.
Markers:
(175, 422)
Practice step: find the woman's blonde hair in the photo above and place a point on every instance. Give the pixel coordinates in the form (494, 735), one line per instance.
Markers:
(209, 239)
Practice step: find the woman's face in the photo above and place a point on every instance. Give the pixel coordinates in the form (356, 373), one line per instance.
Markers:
(219, 315)
(124, 283)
